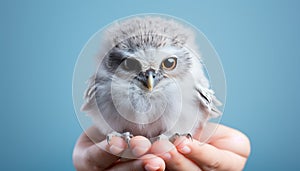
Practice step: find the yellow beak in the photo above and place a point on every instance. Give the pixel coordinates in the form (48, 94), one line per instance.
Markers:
(150, 81)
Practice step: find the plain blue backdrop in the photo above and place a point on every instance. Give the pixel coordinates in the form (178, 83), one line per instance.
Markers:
(257, 41)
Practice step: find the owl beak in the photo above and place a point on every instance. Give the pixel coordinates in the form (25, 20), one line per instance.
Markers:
(150, 81)
(149, 78)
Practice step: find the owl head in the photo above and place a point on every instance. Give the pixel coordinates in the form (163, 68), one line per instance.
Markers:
(149, 51)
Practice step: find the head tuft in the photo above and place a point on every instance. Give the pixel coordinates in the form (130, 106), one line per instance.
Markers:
(148, 32)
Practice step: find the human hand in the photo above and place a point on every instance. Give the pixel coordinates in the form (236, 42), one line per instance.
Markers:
(226, 149)
(87, 155)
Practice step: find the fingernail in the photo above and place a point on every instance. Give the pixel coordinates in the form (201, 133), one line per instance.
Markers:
(185, 149)
(150, 167)
(140, 146)
(167, 156)
(115, 149)
(138, 151)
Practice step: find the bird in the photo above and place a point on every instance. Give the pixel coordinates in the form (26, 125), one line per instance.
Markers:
(149, 81)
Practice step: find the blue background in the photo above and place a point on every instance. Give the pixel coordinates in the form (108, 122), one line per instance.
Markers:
(258, 42)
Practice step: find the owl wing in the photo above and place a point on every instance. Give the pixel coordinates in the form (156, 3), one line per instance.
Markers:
(208, 101)
(89, 94)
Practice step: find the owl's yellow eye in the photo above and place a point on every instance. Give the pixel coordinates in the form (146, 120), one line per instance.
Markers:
(169, 63)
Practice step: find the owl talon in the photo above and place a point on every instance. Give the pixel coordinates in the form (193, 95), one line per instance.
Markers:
(189, 136)
(174, 137)
(126, 136)
(113, 134)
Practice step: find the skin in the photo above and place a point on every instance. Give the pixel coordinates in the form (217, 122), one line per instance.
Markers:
(227, 149)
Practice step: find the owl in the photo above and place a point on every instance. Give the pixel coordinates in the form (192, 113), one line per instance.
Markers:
(149, 81)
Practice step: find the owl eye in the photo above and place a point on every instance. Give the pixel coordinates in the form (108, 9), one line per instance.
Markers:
(131, 64)
(169, 63)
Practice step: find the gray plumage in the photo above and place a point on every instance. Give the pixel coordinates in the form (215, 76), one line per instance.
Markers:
(150, 80)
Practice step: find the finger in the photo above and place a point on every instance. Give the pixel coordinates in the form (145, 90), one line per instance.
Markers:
(89, 156)
(102, 155)
(173, 159)
(209, 157)
(231, 140)
(148, 162)
(139, 145)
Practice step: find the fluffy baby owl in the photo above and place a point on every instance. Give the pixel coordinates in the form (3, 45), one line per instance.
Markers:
(150, 81)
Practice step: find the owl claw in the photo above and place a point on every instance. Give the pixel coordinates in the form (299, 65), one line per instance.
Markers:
(174, 137)
(189, 136)
(126, 136)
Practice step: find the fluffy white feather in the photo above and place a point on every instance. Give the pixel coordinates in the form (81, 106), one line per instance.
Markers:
(117, 98)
